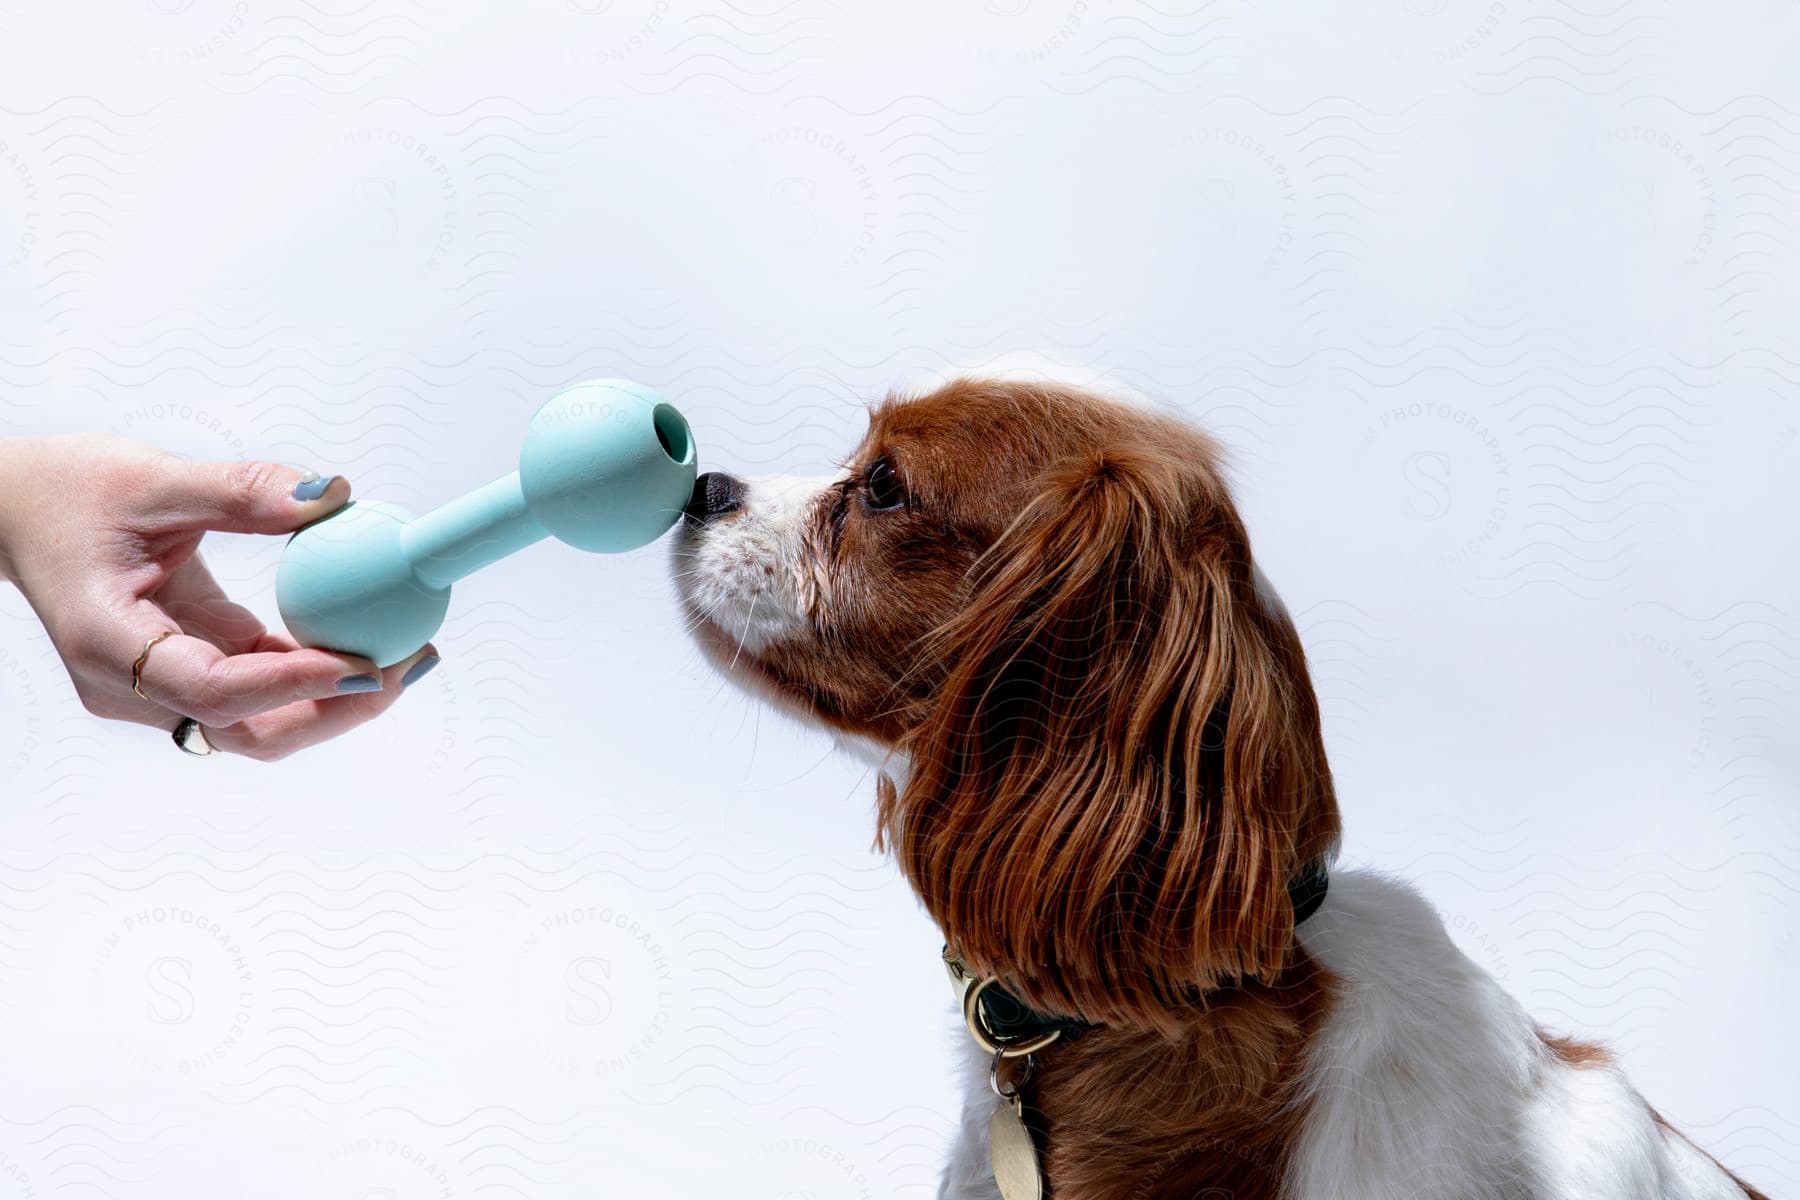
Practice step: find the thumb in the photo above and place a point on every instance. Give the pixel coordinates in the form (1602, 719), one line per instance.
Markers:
(247, 496)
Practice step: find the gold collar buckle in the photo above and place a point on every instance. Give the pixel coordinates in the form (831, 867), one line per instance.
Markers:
(969, 988)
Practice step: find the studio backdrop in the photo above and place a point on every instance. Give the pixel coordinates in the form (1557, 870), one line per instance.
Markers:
(1494, 304)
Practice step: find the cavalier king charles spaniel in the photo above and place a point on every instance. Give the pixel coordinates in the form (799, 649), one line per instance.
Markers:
(1102, 772)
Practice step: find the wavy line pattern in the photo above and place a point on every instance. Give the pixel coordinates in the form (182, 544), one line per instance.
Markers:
(1492, 305)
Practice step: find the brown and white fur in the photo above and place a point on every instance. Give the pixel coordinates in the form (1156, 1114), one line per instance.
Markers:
(1101, 760)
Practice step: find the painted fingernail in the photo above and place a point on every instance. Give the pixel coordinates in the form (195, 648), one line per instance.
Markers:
(419, 670)
(360, 683)
(312, 485)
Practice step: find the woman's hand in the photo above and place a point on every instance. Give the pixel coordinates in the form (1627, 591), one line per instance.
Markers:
(101, 535)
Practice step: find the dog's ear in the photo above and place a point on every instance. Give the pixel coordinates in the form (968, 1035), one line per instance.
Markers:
(1106, 798)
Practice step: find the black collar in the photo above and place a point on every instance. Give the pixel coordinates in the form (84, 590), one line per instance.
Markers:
(1008, 1021)
(1306, 891)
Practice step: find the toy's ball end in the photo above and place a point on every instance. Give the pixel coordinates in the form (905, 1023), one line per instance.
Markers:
(607, 465)
(344, 584)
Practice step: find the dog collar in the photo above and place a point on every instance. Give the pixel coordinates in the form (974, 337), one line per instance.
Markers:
(1006, 1027)
(1306, 891)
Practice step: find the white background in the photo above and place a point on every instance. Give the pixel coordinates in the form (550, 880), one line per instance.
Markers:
(1495, 303)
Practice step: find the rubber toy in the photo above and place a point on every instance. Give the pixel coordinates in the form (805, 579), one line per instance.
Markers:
(606, 466)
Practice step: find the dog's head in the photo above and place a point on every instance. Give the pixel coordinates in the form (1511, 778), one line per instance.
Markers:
(1108, 761)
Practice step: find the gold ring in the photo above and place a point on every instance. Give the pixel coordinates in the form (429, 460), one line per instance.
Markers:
(984, 1037)
(137, 668)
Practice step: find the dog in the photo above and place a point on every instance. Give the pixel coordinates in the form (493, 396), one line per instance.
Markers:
(1035, 608)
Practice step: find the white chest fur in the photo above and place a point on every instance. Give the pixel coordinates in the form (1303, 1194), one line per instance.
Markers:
(1429, 1081)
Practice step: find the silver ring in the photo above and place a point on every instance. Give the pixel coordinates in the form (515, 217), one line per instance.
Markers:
(192, 738)
(1009, 1091)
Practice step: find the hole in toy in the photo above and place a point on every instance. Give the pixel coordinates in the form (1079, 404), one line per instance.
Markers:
(672, 432)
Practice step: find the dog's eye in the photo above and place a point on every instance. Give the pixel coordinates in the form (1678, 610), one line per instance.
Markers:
(882, 489)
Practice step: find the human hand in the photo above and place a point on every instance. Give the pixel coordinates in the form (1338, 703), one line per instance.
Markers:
(102, 534)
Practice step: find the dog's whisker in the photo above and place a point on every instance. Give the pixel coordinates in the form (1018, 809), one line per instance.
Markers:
(745, 636)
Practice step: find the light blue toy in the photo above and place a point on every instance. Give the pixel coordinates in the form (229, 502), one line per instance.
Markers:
(606, 466)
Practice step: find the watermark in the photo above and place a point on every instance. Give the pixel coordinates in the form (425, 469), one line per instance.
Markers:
(610, 32)
(385, 1168)
(1473, 934)
(442, 749)
(1445, 470)
(579, 409)
(15, 1178)
(405, 204)
(1026, 33)
(1446, 32)
(1670, 200)
(164, 415)
(1472, 38)
(825, 200)
(1684, 715)
(1245, 199)
(177, 987)
(27, 730)
(183, 33)
(597, 986)
(1250, 1160)
(21, 208)
(816, 1170)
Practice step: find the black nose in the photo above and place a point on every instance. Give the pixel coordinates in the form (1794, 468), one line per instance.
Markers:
(715, 494)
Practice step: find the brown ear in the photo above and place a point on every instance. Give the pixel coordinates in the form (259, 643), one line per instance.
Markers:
(1123, 766)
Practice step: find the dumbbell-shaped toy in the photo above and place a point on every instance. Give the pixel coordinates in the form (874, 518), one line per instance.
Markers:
(606, 466)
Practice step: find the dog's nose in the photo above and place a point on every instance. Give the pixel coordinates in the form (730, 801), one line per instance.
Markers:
(715, 494)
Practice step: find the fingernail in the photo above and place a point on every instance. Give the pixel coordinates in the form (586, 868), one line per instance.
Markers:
(419, 670)
(312, 485)
(360, 683)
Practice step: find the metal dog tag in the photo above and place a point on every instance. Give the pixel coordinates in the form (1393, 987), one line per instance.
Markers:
(1013, 1156)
